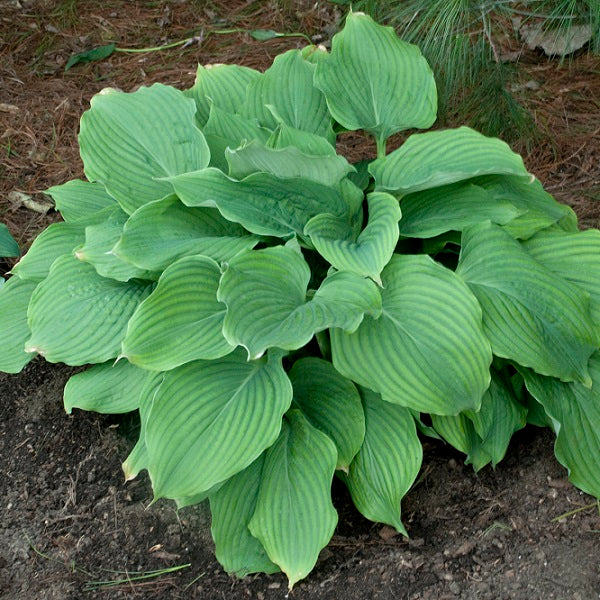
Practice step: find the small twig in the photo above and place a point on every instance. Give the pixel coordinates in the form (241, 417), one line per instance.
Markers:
(577, 510)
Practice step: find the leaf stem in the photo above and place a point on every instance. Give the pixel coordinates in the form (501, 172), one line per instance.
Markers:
(381, 146)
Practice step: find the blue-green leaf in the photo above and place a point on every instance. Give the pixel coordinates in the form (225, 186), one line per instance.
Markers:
(8, 245)
(79, 199)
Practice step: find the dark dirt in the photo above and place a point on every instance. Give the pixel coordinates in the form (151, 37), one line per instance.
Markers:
(68, 520)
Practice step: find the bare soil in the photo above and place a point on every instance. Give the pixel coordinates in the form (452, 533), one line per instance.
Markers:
(67, 519)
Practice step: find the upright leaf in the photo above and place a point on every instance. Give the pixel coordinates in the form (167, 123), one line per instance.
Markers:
(529, 314)
(79, 199)
(8, 245)
(387, 463)
(181, 320)
(294, 517)
(372, 80)
(331, 403)
(211, 419)
(130, 142)
(427, 351)
(78, 317)
(265, 294)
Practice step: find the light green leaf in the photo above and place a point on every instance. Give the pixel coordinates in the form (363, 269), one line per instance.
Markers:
(211, 419)
(435, 158)
(131, 142)
(160, 232)
(453, 207)
(262, 203)
(285, 94)
(309, 143)
(14, 331)
(575, 412)
(427, 351)
(266, 296)
(529, 314)
(79, 199)
(368, 254)
(574, 257)
(286, 163)
(232, 507)
(181, 320)
(106, 388)
(223, 86)
(331, 403)
(78, 317)
(375, 81)
(387, 463)
(8, 245)
(294, 517)
(97, 249)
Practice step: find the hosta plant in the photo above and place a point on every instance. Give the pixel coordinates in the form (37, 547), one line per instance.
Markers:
(279, 316)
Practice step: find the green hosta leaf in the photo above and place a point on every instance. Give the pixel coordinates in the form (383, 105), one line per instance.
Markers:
(98, 53)
(78, 317)
(131, 142)
(294, 517)
(286, 163)
(309, 143)
(181, 320)
(8, 245)
(427, 351)
(484, 435)
(160, 232)
(78, 199)
(97, 249)
(453, 207)
(223, 86)
(262, 203)
(529, 314)
(368, 254)
(14, 331)
(429, 160)
(285, 94)
(575, 412)
(211, 419)
(56, 240)
(106, 388)
(539, 209)
(265, 293)
(331, 403)
(574, 257)
(232, 507)
(374, 81)
(387, 463)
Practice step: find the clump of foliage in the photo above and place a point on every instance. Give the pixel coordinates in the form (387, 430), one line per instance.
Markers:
(279, 316)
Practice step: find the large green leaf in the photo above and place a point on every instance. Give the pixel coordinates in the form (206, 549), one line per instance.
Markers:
(181, 320)
(575, 412)
(366, 254)
(262, 203)
(435, 158)
(211, 419)
(160, 232)
(427, 351)
(286, 163)
(375, 81)
(79, 199)
(106, 388)
(15, 295)
(573, 256)
(452, 207)
(232, 507)
(97, 249)
(266, 296)
(223, 86)
(8, 245)
(484, 435)
(285, 94)
(530, 315)
(387, 463)
(78, 317)
(130, 142)
(331, 403)
(309, 143)
(294, 517)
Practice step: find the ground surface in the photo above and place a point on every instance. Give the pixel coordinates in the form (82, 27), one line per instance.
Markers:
(67, 520)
